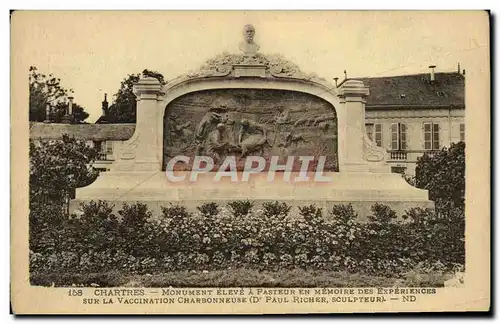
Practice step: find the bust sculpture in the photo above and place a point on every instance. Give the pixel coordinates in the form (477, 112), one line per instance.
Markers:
(248, 46)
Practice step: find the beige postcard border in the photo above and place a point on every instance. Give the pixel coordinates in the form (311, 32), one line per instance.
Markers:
(475, 295)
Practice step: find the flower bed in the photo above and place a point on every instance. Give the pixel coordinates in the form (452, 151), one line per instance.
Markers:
(275, 238)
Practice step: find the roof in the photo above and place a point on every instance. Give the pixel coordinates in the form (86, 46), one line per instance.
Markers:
(448, 89)
(94, 132)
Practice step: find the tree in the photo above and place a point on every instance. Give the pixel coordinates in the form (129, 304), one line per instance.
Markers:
(58, 167)
(443, 174)
(79, 113)
(47, 90)
(123, 109)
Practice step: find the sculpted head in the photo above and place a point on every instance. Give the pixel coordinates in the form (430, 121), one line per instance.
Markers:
(221, 127)
(248, 33)
(244, 122)
(215, 117)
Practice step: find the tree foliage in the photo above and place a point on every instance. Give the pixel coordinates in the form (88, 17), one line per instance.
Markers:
(123, 109)
(58, 167)
(443, 174)
(47, 90)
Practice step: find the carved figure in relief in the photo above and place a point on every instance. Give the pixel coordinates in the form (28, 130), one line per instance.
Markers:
(207, 122)
(281, 119)
(323, 118)
(283, 115)
(292, 138)
(248, 46)
(252, 137)
(217, 143)
(179, 132)
(324, 126)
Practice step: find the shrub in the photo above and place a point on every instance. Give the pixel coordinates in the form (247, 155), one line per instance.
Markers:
(311, 214)
(268, 239)
(136, 232)
(209, 209)
(276, 209)
(382, 214)
(343, 214)
(241, 207)
(443, 174)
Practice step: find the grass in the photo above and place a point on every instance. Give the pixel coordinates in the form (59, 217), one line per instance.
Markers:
(225, 278)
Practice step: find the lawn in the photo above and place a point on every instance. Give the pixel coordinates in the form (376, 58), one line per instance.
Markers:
(233, 278)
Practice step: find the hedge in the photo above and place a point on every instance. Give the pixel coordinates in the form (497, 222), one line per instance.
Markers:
(272, 238)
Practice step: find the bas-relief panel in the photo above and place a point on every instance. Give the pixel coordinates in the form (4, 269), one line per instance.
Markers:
(244, 122)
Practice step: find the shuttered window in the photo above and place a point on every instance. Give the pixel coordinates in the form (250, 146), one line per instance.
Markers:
(462, 132)
(435, 136)
(378, 134)
(394, 137)
(431, 136)
(402, 136)
(109, 147)
(398, 136)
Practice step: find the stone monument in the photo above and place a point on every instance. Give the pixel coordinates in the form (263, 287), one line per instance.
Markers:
(251, 104)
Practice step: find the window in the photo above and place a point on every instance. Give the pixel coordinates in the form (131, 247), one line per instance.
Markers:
(109, 147)
(431, 136)
(398, 136)
(462, 132)
(398, 169)
(378, 134)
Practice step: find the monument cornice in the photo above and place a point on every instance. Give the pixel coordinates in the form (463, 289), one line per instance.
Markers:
(148, 88)
(237, 66)
(354, 89)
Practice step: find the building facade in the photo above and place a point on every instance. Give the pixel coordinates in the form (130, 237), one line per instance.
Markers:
(411, 115)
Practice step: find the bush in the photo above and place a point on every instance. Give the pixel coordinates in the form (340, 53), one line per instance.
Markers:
(209, 209)
(443, 174)
(344, 214)
(382, 214)
(241, 208)
(276, 209)
(311, 214)
(270, 239)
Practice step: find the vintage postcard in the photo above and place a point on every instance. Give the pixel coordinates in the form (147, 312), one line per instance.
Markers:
(260, 162)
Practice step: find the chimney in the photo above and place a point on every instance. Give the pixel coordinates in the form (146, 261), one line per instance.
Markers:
(458, 68)
(345, 74)
(70, 106)
(336, 81)
(433, 75)
(105, 105)
(463, 72)
(47, 114)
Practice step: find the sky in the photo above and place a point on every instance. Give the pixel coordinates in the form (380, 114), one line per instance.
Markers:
(93, 51)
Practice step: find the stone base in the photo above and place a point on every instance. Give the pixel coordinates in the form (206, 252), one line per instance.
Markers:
(362, 190)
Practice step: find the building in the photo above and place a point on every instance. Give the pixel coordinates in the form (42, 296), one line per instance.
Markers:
(413, 114)
(408, 115)
(103, 136)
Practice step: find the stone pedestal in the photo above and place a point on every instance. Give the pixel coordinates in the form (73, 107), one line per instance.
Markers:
(361, 189)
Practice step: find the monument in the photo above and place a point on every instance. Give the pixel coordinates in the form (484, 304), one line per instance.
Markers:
(250, 104)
